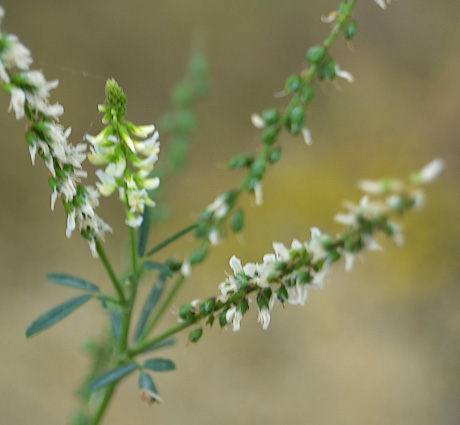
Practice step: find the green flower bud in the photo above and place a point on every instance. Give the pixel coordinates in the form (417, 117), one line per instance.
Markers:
(195, 335)
(199, 254)
(350, 30)
(237, 221)
(297, 115)
(182, 94)
(307, 93)
(274, 155)
(116, 99)
(258, 168)
(240, 161)
(186, 312)
(173, 264)
(292, 84)
(271, 116)
(316, 54)
(207, 306)
(269, 135)
(327, 70)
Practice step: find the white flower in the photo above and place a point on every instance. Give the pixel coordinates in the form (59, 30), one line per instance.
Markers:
(431, 171)
(70, 223)
(186, 268)
(344, 74)
(257, 121)
(382, 3)
(214, 237)
(16, 55)
(307, 136)
(107, 183)
(331, 17)
(258, 193)
(281, 252)
(315, 245)
(18, 99)
(219, 207)
(297, 294)
(264, 317)
(234, 315)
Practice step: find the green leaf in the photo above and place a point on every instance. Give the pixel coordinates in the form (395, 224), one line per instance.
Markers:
(112, 376)
(160, 365)
(56, 314)
(158, 266)
(152, 300)
(146, 383)
(162, 344)
(143, 233)
(74, 282)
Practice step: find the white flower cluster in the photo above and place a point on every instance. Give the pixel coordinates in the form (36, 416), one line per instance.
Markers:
(305, 265)
(115, 148)
(30, 94)
(295, 283)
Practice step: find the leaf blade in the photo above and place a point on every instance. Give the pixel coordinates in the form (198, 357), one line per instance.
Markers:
(162, 267)
(159, 365)
(56, 314)
(72, 281)
(111, 376)
(150, 303)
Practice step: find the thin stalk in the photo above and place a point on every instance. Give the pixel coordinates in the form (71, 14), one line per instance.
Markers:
(104, 403)
(171, 239)
(110, 272)
(151, 325)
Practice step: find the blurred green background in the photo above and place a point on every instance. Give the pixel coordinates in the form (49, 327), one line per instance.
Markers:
(380, 345)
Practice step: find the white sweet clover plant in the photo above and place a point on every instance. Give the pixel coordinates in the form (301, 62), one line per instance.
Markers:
(128, 154)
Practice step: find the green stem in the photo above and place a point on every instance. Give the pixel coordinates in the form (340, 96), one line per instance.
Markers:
(162, 309)
(104, 403)
(171, 331)
(110, 272)
(171, 239)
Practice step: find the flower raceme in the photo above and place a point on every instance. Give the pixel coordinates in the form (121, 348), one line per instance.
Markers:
(287, 274)
(116, 149)
(30, 92)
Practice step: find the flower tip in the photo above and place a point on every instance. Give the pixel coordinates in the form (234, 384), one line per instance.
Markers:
(307, 136)
(432, 170)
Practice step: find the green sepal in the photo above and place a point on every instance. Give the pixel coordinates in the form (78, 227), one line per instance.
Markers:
(258, 168)
(111, 376)
(223, 318)
(56, 314)
(72, 281)
(143, 233)
(159, 365)
(237, 221)
(195, 335)
(316, 54)
(282, 294)
(297, 115)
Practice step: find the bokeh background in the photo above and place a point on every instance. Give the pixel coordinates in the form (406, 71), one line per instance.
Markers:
(380, 345)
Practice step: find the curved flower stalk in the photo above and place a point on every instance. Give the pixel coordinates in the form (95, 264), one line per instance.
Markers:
(115, 148)
(287, 274)
(30, 94)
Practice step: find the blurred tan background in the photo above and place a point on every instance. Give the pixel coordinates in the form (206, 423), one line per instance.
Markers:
(378, 346)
